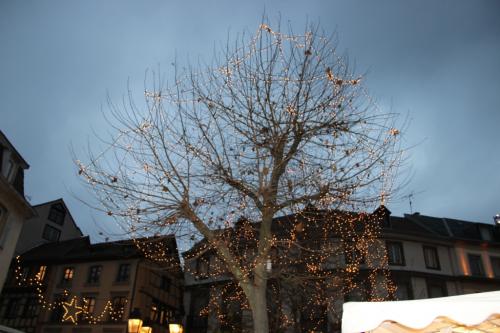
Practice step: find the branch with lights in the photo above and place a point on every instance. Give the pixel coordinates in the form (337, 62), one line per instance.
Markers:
(278, 123)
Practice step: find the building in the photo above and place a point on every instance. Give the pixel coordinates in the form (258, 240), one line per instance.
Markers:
(53, 222)
(424, 257)
(311, 265)
(75, 286)
(14, 208)
(433, 257)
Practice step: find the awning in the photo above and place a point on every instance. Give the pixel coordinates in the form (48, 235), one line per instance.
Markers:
(474, 312)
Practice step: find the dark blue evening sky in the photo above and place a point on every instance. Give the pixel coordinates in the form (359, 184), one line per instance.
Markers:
(436, 62)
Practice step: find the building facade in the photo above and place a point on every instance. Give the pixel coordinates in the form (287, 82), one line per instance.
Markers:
(74, 286)
(53, 222)
(433, 257)
(425, 257)
(313, 264)
(14, 208)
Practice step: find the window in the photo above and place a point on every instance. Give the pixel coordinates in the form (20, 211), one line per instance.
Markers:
(3, 218)
(4, 226)
(94, 274)
(395, 253)
(476, 265)
(202, 268)
(41, 273)
(485, 232)
(160, 313)
(19, 181)
(50, 233)
(25, 274)
(118, 308)
(58, 310)
(68, 274)
(165, 283)
(57, 213)
(495, 264)
(353, 255)
(436, 288)
(30, 308)
(123, 273)
(403, 291)
(9, 170)
(431, 257)
(12, 310)
(89, 304)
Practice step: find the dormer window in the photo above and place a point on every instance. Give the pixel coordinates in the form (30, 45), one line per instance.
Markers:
(57, 213)
(485, 233)
(18, 182)
(50, 233)
(202, 267)
(9, 170)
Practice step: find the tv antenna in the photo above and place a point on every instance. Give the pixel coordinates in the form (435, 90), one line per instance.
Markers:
(410, 202)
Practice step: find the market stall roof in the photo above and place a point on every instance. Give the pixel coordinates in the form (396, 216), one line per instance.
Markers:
(474, 312)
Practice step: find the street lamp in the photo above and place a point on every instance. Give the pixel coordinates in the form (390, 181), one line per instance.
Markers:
(134, 321)
(175, 328)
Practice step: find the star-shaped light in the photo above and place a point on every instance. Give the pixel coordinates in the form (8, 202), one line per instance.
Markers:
(71, 311)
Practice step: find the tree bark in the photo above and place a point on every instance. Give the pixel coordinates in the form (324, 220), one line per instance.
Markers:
(258, 305)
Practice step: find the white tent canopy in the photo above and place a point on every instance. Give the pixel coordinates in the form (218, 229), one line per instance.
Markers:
(466, 313)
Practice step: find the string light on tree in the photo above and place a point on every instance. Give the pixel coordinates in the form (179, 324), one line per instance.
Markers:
(275, 154)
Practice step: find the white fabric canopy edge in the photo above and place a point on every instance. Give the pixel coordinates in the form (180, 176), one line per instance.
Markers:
(471, 309)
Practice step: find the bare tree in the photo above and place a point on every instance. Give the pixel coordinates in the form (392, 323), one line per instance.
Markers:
(277, 122)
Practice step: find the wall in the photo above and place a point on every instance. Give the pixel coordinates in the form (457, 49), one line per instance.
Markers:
(14, 211)
(104, 291)
(32, 232)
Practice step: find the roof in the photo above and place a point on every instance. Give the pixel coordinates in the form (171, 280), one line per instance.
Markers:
(81, 250)
(310, 219)
(444, 228)
(410, 224)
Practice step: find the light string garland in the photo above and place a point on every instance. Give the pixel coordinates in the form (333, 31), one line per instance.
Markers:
(72, 312)
(348, 257)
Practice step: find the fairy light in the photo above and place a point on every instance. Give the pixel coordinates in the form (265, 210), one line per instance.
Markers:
(315, 256)
(73, 313)
(204, 154)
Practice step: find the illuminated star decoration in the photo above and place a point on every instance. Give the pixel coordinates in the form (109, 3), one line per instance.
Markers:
(71, 311)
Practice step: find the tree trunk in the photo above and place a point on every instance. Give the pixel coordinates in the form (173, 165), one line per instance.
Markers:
(258, 305)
